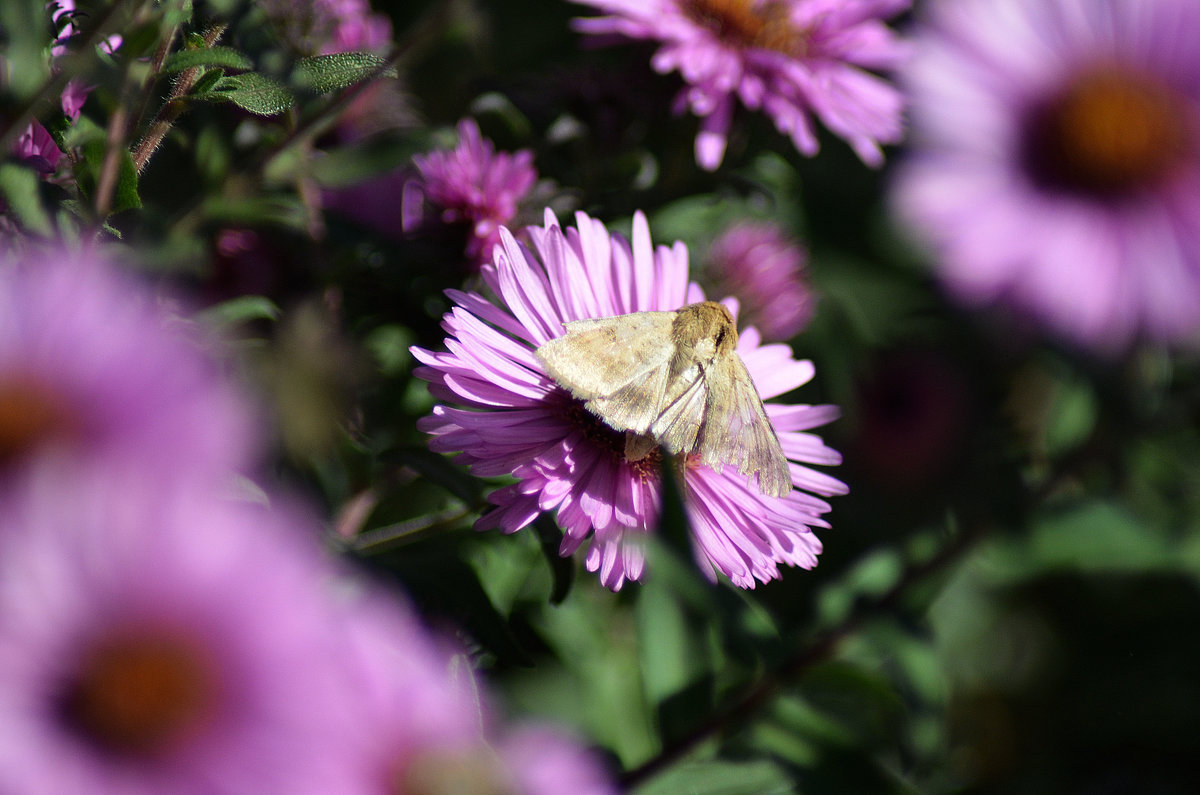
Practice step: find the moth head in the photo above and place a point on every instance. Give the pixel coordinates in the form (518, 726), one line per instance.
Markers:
(706, 324)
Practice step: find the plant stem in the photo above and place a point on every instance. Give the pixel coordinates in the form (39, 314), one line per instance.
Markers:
(818, 650)
(173, 108)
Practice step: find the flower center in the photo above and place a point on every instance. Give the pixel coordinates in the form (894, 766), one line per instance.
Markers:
(1110, 132)
(138, 693)
(450, 771)
(745, 23)
(30, 414)
(611, 441)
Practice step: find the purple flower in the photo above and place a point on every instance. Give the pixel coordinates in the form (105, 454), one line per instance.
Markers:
(158, 640)
(517, 421)
(420, 725)
(35, 146)
(92, 369)
(471, 184)
(355, 27)
(756, 263)
(793, 59)
(37, 149)
(1057, 162)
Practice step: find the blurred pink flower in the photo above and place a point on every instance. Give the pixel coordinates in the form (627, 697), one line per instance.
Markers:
(757, 264)
(471, 184)
(517, 421)
(421, 725)
(92, 369)
(1057, 162)
(793, 59)
(158, 640)
(355, 27)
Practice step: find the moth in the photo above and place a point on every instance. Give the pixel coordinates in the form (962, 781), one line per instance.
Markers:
(672, 379)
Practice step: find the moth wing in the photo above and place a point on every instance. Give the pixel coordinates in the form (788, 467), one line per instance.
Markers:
(599, 356)
(681, 418)
(637, 404)
(737, 430)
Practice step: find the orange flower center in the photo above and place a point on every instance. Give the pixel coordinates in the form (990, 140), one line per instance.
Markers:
(746, 23)
(30, 415)
(1111, 132)
(138, 693)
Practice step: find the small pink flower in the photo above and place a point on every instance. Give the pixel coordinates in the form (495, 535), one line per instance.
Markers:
(517, 421)
(793, 59)
(757, 264)
(421, 723)
(471, 184)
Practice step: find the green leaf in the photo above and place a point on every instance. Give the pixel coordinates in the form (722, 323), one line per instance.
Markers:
(721, 778)
(207, 82)
(281, 210)
(243, 309)
(126, 196)
(1072, 415)
(349, 165)
(19, 186)
(322, 74)
(389, 345)
(251, 92)
(95, 149)
(224, 57)
(26, 39)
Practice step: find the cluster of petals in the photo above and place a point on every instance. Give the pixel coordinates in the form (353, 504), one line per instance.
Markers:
(511, 418)
(1056, 162)
(472, 184)
(792, 59)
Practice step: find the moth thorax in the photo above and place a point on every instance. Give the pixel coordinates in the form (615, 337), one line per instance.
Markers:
(706, 328)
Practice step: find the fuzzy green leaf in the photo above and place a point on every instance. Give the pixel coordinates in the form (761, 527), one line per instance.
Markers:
(224, 57)
(251, 92)
(322, 74)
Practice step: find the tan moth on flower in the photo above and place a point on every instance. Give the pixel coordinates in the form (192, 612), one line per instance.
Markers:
(672, 379)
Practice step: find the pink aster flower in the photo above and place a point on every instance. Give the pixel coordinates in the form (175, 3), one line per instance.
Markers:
(471, 184)
(793, 59)
(355, 27)
(421, 724)
(157, 640)
(1057, 161)
(91, 368)
(756, 263)
(517, 421)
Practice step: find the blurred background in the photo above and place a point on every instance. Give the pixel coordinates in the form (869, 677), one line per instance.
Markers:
(1007, 598)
